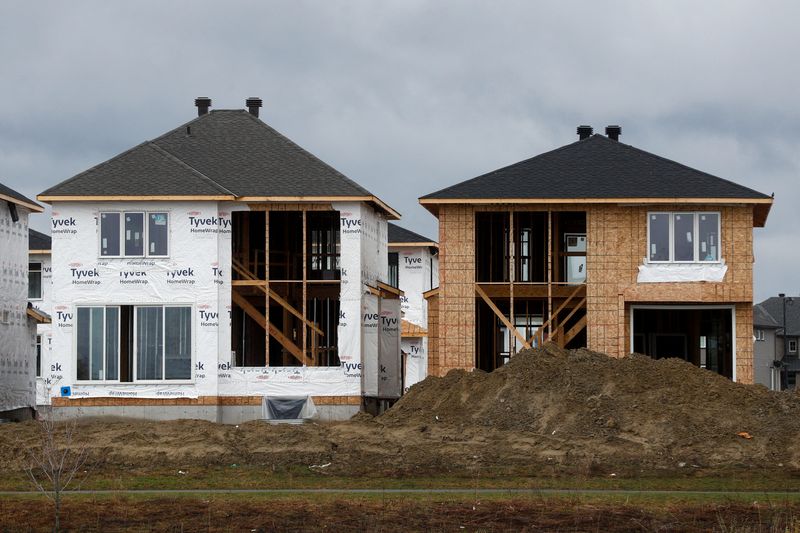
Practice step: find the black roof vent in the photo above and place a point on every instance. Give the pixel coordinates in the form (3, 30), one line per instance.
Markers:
(253, 104)
(614, 132)
(584, 132)
(202, 103)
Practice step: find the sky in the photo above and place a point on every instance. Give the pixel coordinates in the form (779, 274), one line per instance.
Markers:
(408, 97)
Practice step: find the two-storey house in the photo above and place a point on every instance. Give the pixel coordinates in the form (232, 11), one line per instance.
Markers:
(217, 265)
(597, 244)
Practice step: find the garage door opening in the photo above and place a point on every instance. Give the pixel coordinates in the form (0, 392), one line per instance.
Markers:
(701, 336)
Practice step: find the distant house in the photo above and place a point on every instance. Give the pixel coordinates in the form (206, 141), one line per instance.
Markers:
(198, 274)
(772, 340)
(414, 268)
(597, 244)
(40, 287)
(17, 319)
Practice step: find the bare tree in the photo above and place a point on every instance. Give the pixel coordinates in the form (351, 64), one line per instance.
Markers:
(55, 462)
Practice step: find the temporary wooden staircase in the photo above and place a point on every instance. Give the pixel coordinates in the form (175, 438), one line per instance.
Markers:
(250, 279)
(561, 336)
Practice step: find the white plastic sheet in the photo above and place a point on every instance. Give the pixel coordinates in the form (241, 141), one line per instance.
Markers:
(681, 272)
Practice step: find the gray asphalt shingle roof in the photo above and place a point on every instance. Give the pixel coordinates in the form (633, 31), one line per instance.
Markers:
(762, 318)
(224, 152)
(14, 195)
(398, 234)
(593, 168)
(774, 306)
(38, 240)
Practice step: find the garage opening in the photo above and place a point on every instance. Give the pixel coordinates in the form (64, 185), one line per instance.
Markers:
(701, 336)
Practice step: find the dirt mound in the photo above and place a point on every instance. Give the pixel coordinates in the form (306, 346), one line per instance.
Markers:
(587, 403)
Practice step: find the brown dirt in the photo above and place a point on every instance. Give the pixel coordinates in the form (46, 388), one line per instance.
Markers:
(549, 412)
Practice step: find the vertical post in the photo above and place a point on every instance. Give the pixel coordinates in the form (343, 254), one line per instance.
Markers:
(549, 271)
(305, 287)
(512, 259)
(266, 283)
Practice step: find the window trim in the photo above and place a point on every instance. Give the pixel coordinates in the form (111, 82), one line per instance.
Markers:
(789, 347)
(41, 278)
(145, 233)
(695, 237)
(134, 371)
(760, 335)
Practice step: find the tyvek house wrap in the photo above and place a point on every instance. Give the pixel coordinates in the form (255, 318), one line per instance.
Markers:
(197, 273)
(17, 332)
(44, 330)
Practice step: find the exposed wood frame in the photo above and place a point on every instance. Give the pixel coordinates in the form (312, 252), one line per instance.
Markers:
(266, 275)
(36, 208)
(393, 215)
(304, 337)
(256, 315)
(37, 316)
(501, 316)
(389, 289)
(431, 293)
(39, 252)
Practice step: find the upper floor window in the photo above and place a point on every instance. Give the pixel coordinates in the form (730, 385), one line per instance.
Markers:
(35, 281)
(134, 234)
(759, 334)
(683, 237)
(792, 346)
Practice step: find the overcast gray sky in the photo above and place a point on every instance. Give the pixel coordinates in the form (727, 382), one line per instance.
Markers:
(408, 97)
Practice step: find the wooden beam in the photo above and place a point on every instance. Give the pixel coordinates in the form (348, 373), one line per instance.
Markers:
(262, 284)
(574, 330)
(304, 336)
(36, 208)
(501, 316)
(256, 315)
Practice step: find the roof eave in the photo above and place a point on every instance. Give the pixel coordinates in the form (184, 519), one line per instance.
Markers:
(36, 208)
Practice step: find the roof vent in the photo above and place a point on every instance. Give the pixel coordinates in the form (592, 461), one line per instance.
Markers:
(253, 104)
(782, 295)
(584, 132)
(202, 103)
(614, 132)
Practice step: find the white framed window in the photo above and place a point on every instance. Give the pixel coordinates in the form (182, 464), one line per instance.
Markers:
(793, 346)
(683, 237)
(155, 346)
(759, 334)
(35, 280)
(134, 234)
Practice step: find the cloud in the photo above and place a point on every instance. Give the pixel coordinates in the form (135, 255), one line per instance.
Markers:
(408, 97)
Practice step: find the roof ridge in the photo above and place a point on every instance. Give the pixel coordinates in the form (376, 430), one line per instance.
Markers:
(487, 174)
(668, 160)
(92, 168)
(181, 162)
(303, 151)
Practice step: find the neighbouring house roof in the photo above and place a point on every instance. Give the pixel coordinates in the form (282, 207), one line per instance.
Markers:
(403, 237)
(38, 242)
(774, 306)
(10, 195)
(596, 169)
(408, 329)
(224, 154)
(762, 318)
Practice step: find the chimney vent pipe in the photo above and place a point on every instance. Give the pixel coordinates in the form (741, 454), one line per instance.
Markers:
(614, 132)
(203, 103)
(584, 132)
(253, 104)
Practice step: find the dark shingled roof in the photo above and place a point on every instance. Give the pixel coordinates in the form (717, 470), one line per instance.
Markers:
(38, 240)
(224, 152)
(15, 196)
(398, 234)
(762, 318)
(774, 306)
(593, 168)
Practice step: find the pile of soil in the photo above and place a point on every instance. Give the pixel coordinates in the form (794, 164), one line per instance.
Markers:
(578, 402)
(547, 412)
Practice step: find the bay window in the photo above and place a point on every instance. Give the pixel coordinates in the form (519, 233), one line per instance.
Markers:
(134, 234)
(683, 237)
(134, 343)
